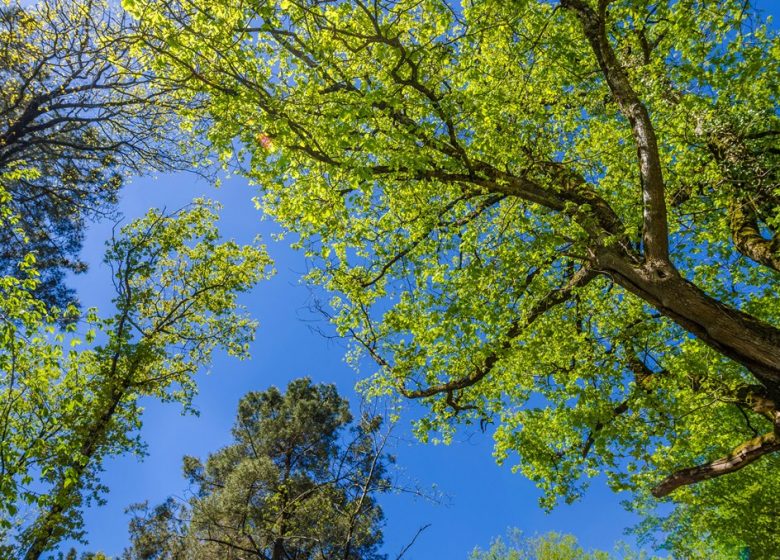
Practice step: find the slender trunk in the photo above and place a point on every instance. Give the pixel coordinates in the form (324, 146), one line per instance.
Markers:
(278, 552)
(48, 525)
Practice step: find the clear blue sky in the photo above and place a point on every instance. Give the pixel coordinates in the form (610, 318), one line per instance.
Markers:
(482, 499)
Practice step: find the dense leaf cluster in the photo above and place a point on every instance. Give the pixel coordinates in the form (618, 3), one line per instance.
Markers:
(558, 217)
(70, 398)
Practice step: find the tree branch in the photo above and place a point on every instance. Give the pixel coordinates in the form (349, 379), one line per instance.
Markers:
(580, 278)
(742, 456)
(748, 238)
(655, 229)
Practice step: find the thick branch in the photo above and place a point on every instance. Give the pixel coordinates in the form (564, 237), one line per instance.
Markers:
(655, 230)
(758, 399)
(748, 238)
(751, 198)
(735, 334)
(741, 457)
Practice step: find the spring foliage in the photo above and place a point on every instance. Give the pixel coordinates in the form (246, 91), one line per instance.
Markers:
(70, 398)
(558, 217)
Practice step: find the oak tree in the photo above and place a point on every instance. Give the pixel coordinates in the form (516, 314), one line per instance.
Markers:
(561, 217)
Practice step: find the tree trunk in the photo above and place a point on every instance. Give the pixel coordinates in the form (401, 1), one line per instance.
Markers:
(48, 522)
(737, 335)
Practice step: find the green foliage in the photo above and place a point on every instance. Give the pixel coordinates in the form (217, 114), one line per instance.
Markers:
(711, 509)
(293, 484)
(76, 109)
(73, 555)
(70, 398)
(557, 217)
(550, 546)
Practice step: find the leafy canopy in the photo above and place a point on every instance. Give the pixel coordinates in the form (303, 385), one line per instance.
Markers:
(560, 217)
(550, 546)
(70, 398)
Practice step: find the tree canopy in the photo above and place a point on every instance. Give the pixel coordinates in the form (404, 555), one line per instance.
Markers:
(550, 546)
(560, 217)
(78, 113)
(299, 482)
(70, 399)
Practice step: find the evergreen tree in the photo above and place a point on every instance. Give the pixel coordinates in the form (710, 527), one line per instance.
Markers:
(299, 482)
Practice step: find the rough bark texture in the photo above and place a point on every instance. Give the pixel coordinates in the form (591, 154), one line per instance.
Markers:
(738, 335)
(741, 457)
(748, 238)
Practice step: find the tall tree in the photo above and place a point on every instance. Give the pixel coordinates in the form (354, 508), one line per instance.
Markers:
(64, 411)
(561, 217)
(299, 482)
(78, 111)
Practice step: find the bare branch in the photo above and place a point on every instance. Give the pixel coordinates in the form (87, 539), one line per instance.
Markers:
(406, 548)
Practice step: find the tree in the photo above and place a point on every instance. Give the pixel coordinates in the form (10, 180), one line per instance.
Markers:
(73, 555)
(550, 546)
(560, 217)
(292, 486)
(76, 110)
(66, 405)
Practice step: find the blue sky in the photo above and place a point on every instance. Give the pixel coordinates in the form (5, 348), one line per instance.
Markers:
(481, 499)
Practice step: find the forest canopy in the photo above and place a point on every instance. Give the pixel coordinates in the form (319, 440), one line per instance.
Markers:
(554, 221)
(558, 217)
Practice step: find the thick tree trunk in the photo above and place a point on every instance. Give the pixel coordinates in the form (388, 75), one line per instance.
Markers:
(737, 335)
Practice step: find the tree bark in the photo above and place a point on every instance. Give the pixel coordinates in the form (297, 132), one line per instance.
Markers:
(741, 457)
(748, 238)
(735, 334)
